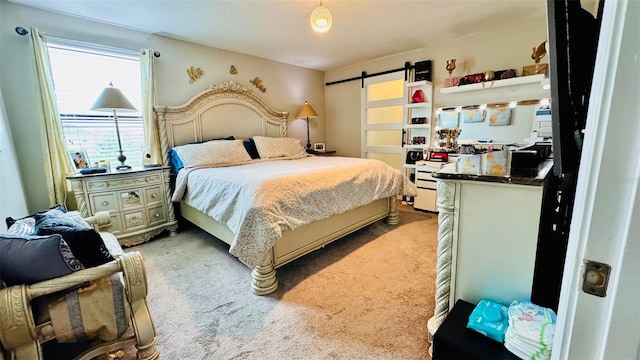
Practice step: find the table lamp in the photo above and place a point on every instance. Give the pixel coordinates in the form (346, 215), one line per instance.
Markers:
(307, 112)
(111, 99)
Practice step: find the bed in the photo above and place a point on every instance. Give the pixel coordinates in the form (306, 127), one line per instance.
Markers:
(295, 227)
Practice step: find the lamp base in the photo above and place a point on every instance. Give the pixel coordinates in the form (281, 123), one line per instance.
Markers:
(122, 159)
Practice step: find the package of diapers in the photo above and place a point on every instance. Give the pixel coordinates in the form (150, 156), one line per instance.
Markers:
(490, 319)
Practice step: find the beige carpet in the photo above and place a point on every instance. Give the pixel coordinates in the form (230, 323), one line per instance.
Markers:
(366, 296)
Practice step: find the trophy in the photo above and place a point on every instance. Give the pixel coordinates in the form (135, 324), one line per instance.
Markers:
(451, 81)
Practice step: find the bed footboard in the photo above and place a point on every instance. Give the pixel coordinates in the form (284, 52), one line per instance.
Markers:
(303, 240)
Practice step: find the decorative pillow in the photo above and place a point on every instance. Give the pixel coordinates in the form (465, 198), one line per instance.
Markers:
(250, 145)
(28, 260)
(279, 147)
(23, 227)
(85, 243)
(10, 221)
(175, 161)
(213, 153)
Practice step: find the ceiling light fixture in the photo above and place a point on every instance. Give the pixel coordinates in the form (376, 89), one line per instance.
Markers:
(321, 19)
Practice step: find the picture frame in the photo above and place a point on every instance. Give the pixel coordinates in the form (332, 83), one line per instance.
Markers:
(319, 147)
(79, 160)
(448, 119)
(473, 115)
(499, 116)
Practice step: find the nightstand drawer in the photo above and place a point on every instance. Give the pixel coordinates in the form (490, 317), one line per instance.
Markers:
(114, 183)
(133, 221)
(130, 199)
(104, 202)
(156, 215)
(153, 195)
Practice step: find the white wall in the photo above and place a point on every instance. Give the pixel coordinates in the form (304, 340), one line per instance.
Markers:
(287, 86)
(12, 199)
(478, 52)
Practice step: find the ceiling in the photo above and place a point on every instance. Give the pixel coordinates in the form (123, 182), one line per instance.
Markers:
(279, 29)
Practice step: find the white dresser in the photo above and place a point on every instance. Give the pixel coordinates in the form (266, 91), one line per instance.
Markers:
(138, 201)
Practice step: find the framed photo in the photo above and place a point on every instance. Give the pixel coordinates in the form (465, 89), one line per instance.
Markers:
(473, 115)
(448, 119)
(318, 147)
(499, 116)
(79, 159)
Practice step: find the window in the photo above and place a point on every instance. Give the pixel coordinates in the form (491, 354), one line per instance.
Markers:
(80, 72)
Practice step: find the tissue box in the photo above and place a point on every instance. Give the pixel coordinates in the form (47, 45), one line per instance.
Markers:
(495, 163)
(468, 164)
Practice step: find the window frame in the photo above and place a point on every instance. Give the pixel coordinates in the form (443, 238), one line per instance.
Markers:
(101, 142)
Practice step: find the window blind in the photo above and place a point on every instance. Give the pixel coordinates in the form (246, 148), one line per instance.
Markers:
(80, 73)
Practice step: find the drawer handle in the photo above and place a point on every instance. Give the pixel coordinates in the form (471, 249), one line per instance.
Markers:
(134, 220)
(154, 195)
(157, 215)
(105, 203)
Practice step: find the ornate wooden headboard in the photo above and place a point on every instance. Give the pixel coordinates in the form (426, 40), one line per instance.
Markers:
(222, 110)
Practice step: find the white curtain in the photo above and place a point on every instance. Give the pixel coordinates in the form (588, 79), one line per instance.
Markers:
(12, 197)
(151, 133)
(56, 164)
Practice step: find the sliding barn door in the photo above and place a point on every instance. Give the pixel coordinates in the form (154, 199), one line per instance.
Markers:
(382, 113)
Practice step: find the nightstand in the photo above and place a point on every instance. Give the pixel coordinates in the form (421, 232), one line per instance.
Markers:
(321, 153)
(138, 201)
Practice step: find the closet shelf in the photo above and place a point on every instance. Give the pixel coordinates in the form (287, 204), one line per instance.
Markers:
(494, 84)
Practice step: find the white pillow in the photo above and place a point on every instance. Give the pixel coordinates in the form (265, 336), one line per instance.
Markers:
(213, 153)
(269, 147)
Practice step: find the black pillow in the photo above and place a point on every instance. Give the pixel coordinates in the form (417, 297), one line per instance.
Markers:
(28, 260)
(251, 148)
(10, 221)
(85, 243)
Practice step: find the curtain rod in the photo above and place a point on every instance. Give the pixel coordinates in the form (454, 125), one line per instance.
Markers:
(22, 31)
(364, 75)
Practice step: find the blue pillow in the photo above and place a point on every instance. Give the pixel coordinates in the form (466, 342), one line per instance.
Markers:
(250, 145)
(10, 221)
(31, 259)
(86, 244)
(174, 159)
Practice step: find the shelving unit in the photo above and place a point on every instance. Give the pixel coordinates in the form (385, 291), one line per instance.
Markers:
(411, 131)
(521, 80)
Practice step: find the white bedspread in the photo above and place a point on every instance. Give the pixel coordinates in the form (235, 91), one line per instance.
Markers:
(259, 201)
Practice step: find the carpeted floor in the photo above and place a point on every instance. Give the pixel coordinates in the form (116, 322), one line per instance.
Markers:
(366, 296)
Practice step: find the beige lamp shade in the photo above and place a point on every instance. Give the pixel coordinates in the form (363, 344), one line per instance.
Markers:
(111, 98)
(307, 112)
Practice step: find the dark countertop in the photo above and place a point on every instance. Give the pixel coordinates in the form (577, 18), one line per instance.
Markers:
(536, 179)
